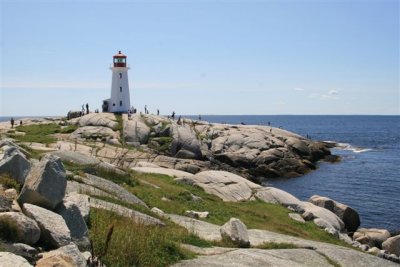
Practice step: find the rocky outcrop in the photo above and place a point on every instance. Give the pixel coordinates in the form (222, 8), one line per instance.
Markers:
(82, 202)
(54, 230)
(138, 217)
(392, 245)
(112, 189)
(94, 133)
(96, 119)
(10, 259)
(135, 130)
(45, 184)
(236, 231)
(164, 171)
(349, 216)
(277, 196)
(75, 222)
(15, 164)
(69, 255)
(76, 158)
(259, 257)
(372, 237)
(21, 228)
(225, 185)
(184, 142)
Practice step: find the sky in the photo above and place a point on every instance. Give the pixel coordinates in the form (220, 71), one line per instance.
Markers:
(202, 57)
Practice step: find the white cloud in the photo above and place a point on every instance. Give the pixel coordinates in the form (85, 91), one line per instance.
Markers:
(332, 94)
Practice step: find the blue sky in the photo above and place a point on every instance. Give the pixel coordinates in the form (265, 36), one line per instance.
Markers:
(202, 57)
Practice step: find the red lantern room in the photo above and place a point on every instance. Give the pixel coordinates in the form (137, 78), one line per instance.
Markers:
(120, 60)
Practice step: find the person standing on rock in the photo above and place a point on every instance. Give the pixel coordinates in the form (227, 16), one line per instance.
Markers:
(87, 108)
(12, 122)
(173, 115)
(158, 112)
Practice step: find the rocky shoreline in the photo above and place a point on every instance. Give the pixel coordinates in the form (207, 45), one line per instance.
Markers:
(227, 161)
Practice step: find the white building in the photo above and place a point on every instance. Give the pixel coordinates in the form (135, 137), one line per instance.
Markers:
(120, 99)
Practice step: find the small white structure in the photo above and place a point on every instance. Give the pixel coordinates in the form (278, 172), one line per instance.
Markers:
(120, 99)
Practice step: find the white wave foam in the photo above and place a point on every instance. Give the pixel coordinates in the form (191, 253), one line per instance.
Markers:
(349, 147)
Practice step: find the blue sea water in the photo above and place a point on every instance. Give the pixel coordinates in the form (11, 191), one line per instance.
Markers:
(368, 176)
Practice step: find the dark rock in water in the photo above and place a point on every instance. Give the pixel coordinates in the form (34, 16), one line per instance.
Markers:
(348, 215)
(332, 158)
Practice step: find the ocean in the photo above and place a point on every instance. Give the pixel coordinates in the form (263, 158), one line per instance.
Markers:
(368, 176)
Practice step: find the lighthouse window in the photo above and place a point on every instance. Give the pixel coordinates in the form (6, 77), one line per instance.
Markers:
(120, 88)
(120, 103)
(120, 75)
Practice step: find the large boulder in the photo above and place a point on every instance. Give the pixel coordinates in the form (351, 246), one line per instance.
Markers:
(348, 215)
(9, 259)
(278, 196)
(225, 185)
(392, 245)
(372, 237)
(76, 157)
(112, 189)
(82, 202)
(135, 130)
(94, 132)
(19, 228)
(15, 164)
(236, 231)
(75, 222)
(184, 143)
(45, 184)
(68, 255)
(319, 212)
(97, 119)
(54, 230)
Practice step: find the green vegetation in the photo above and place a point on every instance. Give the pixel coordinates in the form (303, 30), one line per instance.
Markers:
(255, 214)
(160, 144)
(41, 133)
(273, 245)
(8, 182)
(135, 244)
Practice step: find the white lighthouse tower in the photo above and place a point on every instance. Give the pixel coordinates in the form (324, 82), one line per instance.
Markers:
(120, 99)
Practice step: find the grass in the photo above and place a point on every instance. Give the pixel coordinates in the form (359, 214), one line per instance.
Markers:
(255, 214)
(8, 182)
(135, 244)
(273, 245)
(42, 133)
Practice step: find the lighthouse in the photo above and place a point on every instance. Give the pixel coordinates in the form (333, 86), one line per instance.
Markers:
(119, 101)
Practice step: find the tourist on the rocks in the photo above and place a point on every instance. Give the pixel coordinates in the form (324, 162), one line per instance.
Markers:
(87, 108)
(158, 112)
(12, 122)
(20, 123)
(173, 115)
